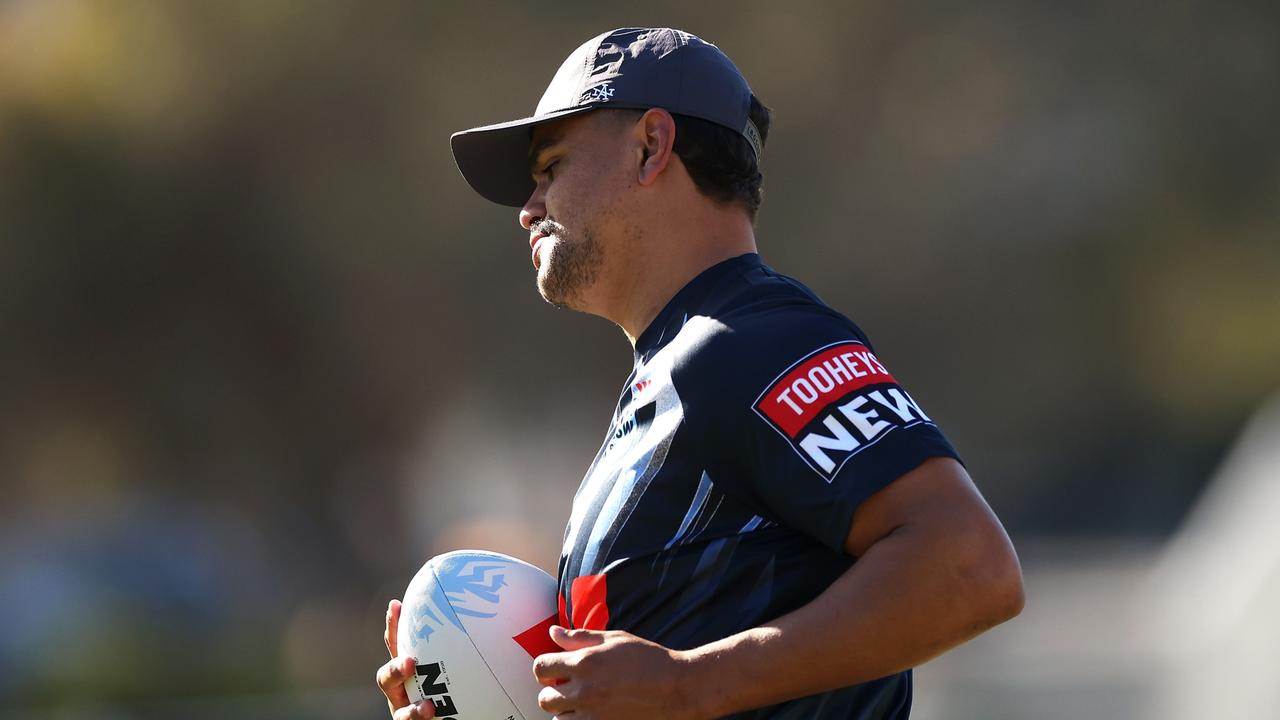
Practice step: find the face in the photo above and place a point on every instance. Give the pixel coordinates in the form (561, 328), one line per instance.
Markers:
(574, 213)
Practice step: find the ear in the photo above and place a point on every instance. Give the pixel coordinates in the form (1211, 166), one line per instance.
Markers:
(656, 131)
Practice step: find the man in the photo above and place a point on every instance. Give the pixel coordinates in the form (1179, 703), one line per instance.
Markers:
(773, 527)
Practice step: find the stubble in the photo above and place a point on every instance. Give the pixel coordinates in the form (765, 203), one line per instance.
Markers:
(571, 266)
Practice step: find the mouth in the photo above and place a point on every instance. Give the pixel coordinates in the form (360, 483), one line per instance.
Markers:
(534, 241)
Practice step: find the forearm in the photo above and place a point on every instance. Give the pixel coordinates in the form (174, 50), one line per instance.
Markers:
(913, 595)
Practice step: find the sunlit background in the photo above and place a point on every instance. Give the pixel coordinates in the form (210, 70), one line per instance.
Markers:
(262, 352)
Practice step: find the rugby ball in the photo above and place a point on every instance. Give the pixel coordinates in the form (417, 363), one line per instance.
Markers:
(474, 621)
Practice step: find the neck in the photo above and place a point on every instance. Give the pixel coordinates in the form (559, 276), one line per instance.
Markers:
(676, 258)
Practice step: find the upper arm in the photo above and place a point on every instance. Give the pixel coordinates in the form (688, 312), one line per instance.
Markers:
(938, 491)
(938, 503)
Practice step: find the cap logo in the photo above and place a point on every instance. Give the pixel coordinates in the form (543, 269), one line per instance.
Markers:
(601, 93)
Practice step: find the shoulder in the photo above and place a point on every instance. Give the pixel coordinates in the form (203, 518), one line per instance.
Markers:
(735, 355)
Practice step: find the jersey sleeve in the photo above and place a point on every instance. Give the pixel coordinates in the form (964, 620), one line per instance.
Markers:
(814, 423)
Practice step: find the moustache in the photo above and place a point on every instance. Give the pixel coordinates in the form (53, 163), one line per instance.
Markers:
(546, 227)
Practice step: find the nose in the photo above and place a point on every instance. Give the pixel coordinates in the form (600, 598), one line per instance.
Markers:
(534, 209)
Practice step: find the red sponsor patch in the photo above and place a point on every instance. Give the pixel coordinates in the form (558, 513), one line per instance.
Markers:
(588, 594)
(827, 374)
(834, 403)
(537, 639)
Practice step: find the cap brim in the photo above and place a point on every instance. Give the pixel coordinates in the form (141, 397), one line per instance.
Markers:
(494, 159)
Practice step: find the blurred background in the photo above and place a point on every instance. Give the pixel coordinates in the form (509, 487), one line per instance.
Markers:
(262, 352)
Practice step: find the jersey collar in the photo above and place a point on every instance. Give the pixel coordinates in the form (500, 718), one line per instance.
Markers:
(689, 301)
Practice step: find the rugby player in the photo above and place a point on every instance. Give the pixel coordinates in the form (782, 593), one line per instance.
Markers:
(773, 527)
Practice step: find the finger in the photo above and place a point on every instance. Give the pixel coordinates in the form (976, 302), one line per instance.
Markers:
(549, 668)
(555, 699)
(393, 625)
(391, 679)
(419, 711)
(576, 639)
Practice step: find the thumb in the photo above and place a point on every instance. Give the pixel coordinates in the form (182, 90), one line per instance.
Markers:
(575, 639)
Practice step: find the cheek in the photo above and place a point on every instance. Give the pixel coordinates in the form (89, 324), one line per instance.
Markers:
(569, 197)
(597, 192)
(587, 189)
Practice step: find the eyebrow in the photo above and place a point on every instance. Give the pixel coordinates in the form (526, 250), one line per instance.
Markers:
(539, 148)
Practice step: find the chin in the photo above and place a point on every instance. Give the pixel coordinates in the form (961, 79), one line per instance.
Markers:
(567, 270)
(540, 281)
(557, 294)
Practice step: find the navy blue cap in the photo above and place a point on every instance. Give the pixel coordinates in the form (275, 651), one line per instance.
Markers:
(638, 68)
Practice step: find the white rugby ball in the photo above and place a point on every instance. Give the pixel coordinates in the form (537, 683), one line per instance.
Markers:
(474, 621)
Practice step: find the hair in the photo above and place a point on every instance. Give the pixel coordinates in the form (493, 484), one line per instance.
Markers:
(720, 161)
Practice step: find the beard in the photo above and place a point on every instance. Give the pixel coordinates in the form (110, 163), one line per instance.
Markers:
(569, 267)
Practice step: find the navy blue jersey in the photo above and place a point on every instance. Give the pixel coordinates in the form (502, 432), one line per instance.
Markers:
(754, 423)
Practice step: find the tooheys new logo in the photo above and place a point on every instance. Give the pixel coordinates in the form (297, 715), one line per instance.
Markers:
(834, 403)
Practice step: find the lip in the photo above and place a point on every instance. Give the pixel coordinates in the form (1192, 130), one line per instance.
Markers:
(535, 240)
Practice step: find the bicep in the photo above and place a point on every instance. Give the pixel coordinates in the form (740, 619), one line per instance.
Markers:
(936, 496)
